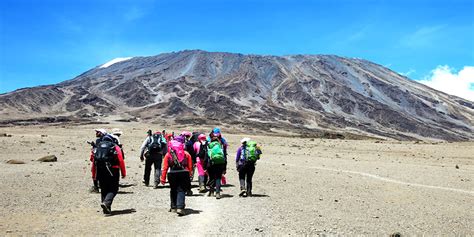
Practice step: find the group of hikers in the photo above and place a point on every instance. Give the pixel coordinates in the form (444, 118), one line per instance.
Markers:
(174, 158)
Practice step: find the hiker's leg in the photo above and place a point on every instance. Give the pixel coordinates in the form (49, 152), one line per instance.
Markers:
(157, 167)
(160, 161)
(250, 172)
(173, 189)
(113, 187)
(242, 173)
(146, 176)
(212, 178)
(183, 186)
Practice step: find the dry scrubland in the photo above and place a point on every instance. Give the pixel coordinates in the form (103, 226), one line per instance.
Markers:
(303, 186)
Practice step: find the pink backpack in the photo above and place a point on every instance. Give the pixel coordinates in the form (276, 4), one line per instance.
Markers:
(178, 149)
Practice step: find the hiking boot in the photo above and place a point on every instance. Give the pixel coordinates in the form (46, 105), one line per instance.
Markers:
(180, 212)
(94, 189)
(173, 210)
(218, 195)
(106, 209)
(210, 194)
(242, 193)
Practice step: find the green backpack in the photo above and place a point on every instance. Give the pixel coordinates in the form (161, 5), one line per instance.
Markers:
(216, 154)
(252, 151)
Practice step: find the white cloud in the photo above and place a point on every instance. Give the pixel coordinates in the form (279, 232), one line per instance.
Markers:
(445, 79)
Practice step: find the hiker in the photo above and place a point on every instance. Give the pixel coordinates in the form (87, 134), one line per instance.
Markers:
(217, 164)
(191, 138)
(200, 149)
(99, 133)
(108, 163)
(116, 133)
(245, 159)
(152, 150)
(216, 132)
(179, 163)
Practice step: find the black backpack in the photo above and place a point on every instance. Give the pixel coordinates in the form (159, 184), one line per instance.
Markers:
(105, 154)
(155, 145)
(203, 154)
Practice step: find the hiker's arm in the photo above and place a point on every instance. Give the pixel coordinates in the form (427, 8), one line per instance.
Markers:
(237, 156)
(190, 163)
(164, 168)
(142, 148)
(121, 162)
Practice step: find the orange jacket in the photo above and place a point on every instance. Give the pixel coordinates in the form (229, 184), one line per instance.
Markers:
(120, 165)
(166, 159)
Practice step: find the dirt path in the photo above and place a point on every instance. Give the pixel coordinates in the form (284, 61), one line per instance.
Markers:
(302, 186)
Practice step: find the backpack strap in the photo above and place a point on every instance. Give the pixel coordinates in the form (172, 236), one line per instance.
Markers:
(175, 160)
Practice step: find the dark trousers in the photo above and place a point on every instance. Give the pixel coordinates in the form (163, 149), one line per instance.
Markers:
(179, 183)
(109, 184)
(215, 175)
(154, 160)
(245, 176)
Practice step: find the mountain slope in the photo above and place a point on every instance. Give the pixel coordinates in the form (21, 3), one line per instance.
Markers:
(301, 93)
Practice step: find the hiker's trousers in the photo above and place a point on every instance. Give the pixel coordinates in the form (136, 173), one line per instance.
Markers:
(109, 185)
(179, 183)
(156, 161)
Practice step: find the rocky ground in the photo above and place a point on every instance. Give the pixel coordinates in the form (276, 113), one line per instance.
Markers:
(302, 186)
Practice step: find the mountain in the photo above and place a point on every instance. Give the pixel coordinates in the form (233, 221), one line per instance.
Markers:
(305, 94)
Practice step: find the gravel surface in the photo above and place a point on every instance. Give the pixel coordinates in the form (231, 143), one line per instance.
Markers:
(301, 186)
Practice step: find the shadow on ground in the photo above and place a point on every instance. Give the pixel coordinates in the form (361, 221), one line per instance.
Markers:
(123, 212)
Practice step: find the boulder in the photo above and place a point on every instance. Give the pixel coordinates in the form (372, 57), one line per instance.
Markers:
(15, 162)
(50, 158)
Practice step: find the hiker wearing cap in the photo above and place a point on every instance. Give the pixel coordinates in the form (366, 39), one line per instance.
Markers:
(245, 160)
(116, 133)
(179, 164)
(99, 134)
(200, 149)
(108, 162)
(152, 150)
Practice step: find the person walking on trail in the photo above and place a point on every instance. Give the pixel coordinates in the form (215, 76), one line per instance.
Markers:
(116, 133)
(200, 149)
(245, 160)
(179, 164)
(99, 134)
(108, 163)
(152, 150)
(217, 163)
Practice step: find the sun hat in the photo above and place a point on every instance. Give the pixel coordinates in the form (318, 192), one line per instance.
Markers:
(117, 131)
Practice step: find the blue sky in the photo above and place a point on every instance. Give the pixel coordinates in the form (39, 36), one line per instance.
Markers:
(48, 41)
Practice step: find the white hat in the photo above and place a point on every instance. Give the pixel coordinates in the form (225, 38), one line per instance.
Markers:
(117, 131)
(101, 130)
(245, 139)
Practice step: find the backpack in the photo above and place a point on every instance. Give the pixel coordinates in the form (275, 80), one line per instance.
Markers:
(190, 149)
(178, 159)
(252, 151)
(216, 153)
(155, 144)
(203, 154)
(105, 154)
